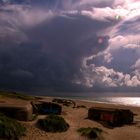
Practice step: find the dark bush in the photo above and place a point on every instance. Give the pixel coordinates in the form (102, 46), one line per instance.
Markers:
(10, 129)
(91, 133)
(65, 102)
(53, 123)
(81, 106)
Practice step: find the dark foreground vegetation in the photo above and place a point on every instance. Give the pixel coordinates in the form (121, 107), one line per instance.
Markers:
(10, 129)
(91, 133)
(53, 123)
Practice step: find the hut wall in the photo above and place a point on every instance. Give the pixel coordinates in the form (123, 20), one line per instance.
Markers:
(25, 114)
(22, 114)
(50, 108)
(115, 117)
(106, 116)
(127, 116)
(47, 108)
(94, 114)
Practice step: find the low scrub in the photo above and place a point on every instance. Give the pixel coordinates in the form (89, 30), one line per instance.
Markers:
(91, 133)
(34, 117)
(53, 123)
(65, 102)
(10, 129)
(81, 106)
(16, 95)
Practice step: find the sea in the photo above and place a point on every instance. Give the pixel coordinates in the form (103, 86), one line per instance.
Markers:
(127, 99)
(119, 98)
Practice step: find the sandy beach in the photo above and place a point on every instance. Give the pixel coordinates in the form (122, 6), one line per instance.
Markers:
(77, 118)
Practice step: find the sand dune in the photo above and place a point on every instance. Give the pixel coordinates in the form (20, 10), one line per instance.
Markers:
(77, 117)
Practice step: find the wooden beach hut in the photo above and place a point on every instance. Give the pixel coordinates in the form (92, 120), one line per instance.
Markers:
(115, 117)
(17, 109)
(43, 107)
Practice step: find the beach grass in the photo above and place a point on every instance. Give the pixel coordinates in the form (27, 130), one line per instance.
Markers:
(16, 95)
(91, 133)
(53, 123)
(80, 106)
(10, 129)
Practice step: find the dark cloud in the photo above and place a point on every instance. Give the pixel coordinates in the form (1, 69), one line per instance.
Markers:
(62, 4)
(53, 55)
(68, 45)
(130, 26)
(122, 59)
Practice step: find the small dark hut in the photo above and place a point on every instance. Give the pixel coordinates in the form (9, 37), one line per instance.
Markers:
(115, 117)
(17, 109)
(42, 107)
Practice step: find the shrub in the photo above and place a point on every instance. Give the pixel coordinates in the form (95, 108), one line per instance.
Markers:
(91, 133)
(53, 123)
(10, 129)
(34, 117)
(81, 106)
(66, 104)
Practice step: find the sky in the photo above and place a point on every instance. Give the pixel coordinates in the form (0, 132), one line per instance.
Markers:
(70, 45)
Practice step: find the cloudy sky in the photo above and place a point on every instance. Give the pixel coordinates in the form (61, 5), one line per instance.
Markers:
(70, 45)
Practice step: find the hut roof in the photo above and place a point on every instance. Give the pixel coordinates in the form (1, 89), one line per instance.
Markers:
(14, 103)
(16, 108)
(107, 109)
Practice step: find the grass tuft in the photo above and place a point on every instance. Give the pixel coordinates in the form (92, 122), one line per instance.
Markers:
(91, 133)
(10, 129)
(53, 123)
(16, 95)
(81, 106)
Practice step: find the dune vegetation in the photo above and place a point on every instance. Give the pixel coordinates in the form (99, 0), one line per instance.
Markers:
(91, 133)
(53, 123)
(16, 95)
(10, 129)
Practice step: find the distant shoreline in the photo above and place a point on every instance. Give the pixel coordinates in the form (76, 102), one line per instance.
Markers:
(124, 101)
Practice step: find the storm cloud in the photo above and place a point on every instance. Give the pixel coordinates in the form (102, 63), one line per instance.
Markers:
(118, 65)
(59, 45)
(47, 54)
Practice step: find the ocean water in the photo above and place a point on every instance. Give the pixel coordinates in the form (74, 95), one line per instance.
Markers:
(128, 101)
(120, 98)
